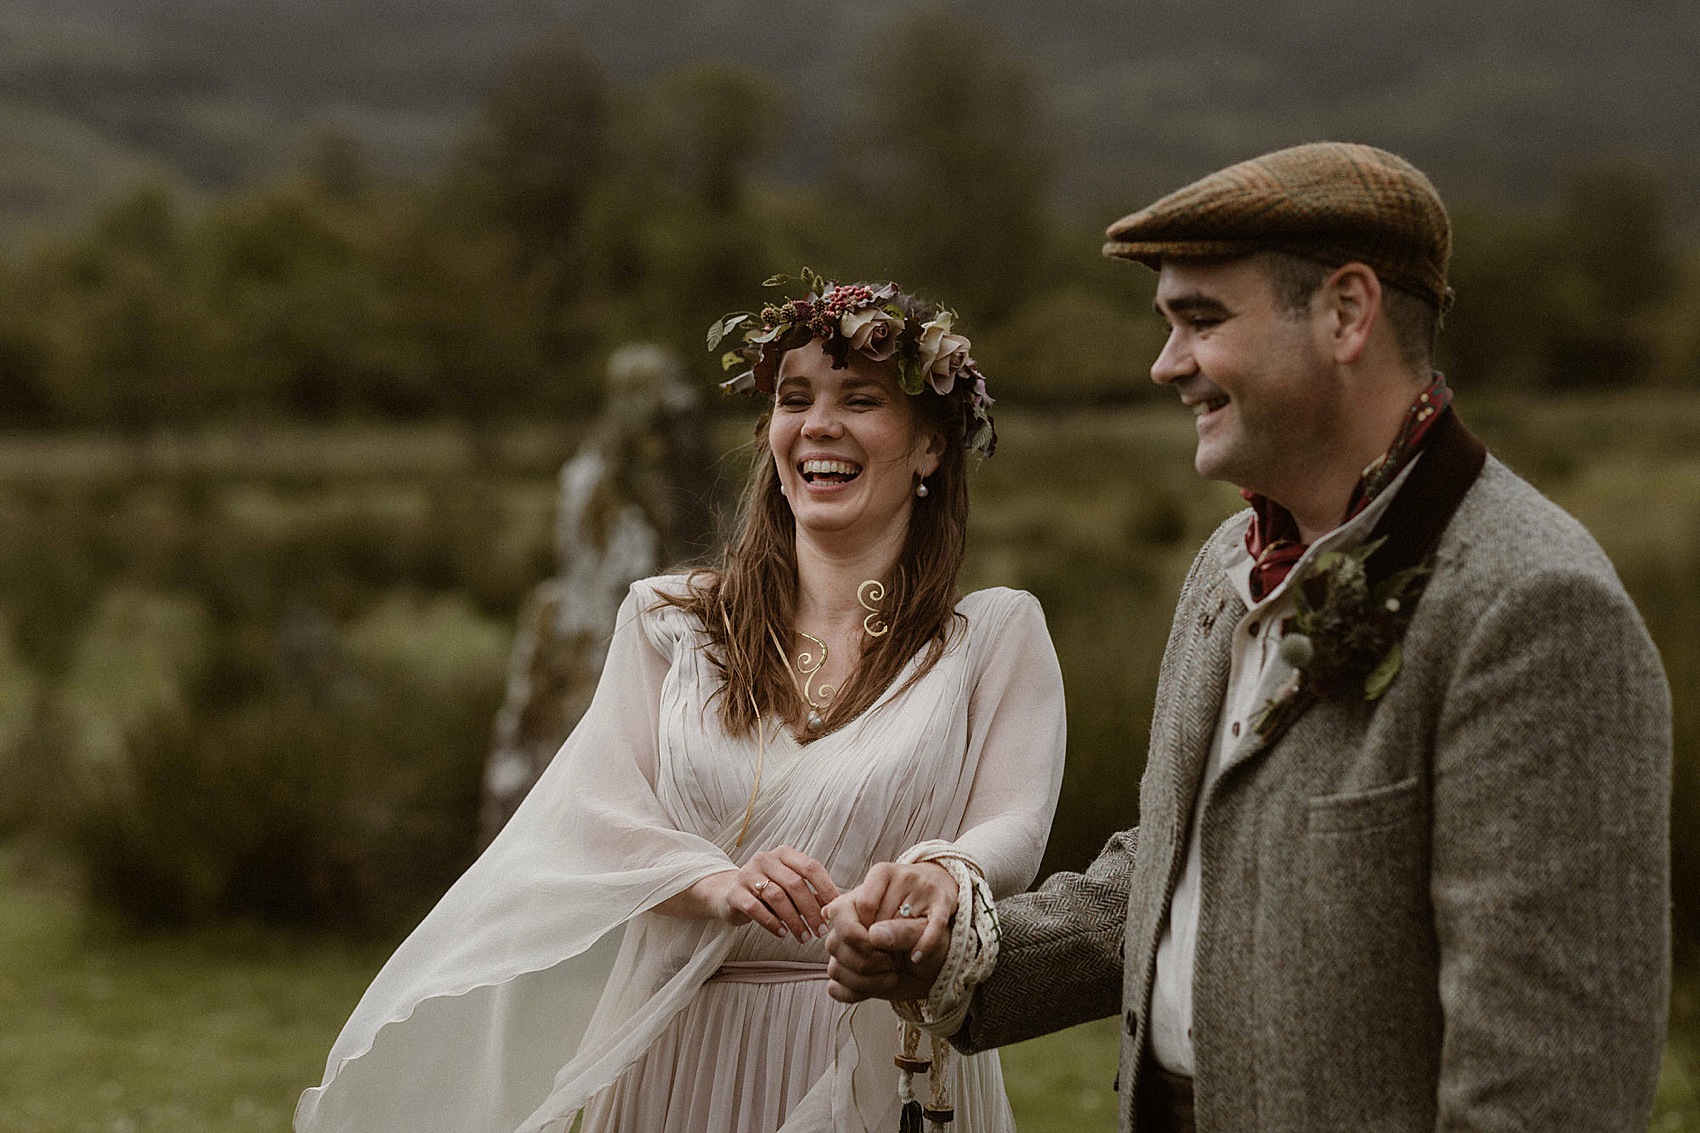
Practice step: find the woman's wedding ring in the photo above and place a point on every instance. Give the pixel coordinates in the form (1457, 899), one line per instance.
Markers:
(906, 910)
(759, 886)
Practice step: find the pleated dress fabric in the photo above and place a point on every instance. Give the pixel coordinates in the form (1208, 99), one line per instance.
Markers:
(542, 986)
(784, 1036)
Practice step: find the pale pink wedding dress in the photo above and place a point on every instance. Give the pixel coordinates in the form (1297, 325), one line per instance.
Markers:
(541, 986)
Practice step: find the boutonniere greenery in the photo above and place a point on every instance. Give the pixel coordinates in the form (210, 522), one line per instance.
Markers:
(1343, 637)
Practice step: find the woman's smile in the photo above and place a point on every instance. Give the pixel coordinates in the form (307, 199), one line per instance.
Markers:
(818, 473)
(846, 446)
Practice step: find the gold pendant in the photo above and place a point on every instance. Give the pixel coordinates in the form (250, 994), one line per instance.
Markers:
(807, 666)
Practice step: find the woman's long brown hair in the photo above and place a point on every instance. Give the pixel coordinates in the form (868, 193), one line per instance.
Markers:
(747, 601)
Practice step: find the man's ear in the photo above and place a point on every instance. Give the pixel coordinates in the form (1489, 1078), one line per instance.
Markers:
(1352, 303)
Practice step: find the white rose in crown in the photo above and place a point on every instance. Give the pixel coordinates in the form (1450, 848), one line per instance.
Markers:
(872, 331)
(941, 355)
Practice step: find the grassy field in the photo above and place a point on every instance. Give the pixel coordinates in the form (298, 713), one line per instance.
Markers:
(214, 1031)
(217, 1030)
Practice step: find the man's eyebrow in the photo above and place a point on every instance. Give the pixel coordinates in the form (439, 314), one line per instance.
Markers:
(1190, 303)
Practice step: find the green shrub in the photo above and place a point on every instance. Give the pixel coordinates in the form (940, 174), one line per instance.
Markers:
(20, 698)
(343, 792)
(133, 664)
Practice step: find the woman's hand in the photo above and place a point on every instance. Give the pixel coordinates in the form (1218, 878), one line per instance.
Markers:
(891, 933)
(924, 891)
(782, 889)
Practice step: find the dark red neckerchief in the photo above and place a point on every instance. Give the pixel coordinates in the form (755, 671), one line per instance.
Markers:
(1272, 538)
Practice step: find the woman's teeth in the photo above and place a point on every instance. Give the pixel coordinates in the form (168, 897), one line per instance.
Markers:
(830, 471)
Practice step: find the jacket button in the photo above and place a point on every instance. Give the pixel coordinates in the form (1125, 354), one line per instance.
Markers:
(1132, 1023)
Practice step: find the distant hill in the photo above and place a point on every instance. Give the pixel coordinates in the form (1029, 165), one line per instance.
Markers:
(1494, 98)
(55, 167)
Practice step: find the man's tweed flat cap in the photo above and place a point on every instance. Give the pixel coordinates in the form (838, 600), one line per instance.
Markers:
(1328, 201)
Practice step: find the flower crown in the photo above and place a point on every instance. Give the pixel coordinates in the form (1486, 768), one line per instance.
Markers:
(879, 322)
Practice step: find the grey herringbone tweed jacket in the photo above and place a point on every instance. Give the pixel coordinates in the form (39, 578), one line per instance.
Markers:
(1445, 910)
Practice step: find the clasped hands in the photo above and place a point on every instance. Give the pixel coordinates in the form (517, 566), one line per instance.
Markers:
(888, 937)
(885, 939)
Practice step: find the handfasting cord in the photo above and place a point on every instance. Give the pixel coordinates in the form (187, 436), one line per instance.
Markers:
(974, 937)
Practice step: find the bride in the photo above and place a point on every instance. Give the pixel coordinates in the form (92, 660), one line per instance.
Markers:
(642, 944)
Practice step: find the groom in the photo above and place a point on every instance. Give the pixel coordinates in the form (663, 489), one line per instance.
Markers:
(1402, 854)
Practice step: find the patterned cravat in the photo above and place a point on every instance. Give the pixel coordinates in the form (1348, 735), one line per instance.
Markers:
(1273, 536)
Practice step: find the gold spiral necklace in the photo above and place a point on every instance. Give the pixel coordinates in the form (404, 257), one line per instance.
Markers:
(808, 664)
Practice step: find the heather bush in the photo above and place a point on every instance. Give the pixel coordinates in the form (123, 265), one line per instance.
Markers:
(20, 695)
(341, 793)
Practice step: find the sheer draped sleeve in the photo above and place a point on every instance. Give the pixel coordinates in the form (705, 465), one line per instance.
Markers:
(1016, 717)
(496, 987)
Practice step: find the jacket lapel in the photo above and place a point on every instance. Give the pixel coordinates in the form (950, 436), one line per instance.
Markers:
(1412, 526)
(1418, 515)
(1200, 697)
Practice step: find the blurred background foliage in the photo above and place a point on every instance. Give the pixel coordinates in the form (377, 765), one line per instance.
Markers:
(295, 333)
(580, 204)
(279, 456)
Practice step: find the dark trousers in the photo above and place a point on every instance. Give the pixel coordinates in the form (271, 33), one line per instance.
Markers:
(1164, 1104)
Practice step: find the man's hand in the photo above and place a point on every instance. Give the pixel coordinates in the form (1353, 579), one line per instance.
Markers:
(888, 937)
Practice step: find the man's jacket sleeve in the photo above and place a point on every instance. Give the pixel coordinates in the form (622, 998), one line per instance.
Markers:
(1060, 955)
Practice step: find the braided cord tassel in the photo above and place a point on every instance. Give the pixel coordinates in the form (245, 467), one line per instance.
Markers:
(908, 1062)
(973, 953)
(941, 1111)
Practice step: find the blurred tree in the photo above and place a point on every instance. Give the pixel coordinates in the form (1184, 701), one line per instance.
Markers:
(460, 332)
(538, 151)
(1070, 346)
(371, 306)
(701, 233)
(1507, 270)
(295, 278)
(26, 396)
(1563, 298)
(143, 223)
(335, 165)
(1676, 336)
(1617, 222)
(711, 124)
(1617, 240)
(945, 164)
(520, 196)
(128, 343)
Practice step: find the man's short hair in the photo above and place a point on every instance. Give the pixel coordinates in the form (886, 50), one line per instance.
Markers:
(1413, 319)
